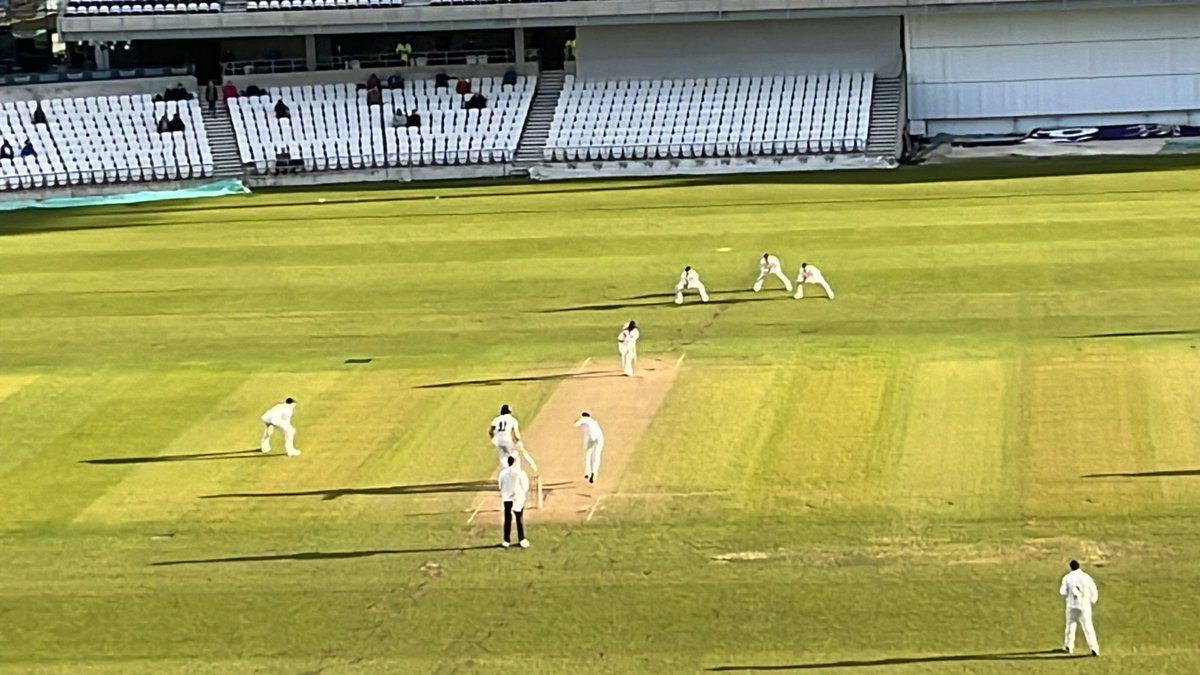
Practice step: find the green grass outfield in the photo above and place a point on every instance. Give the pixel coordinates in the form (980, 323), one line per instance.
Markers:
(892, 482)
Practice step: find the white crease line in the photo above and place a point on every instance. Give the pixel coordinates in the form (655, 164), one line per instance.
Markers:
(584, 364)
(475, 512)
(680, 361)
(592, 511)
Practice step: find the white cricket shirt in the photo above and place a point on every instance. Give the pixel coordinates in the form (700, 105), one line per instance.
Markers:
(629, 338)
(769, 265)
(591, 428)
(504, 426)
(1078, 589)
(514, 484)
(280, 414)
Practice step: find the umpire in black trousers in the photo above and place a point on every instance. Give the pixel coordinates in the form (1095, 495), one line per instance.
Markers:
(514, 487)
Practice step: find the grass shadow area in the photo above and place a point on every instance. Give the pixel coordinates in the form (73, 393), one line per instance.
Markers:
(1146, 474)
(316, 556)
(904, 661)
(194, 457)
(336, 493)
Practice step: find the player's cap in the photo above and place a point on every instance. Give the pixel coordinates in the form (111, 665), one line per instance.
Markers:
(505, 410)
(584, 414)
(804, 264)
(289, 400)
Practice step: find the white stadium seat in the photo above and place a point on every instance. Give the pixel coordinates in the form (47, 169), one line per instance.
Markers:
(710, 117)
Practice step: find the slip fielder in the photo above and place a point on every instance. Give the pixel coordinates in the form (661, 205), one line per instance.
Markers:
(769, 264)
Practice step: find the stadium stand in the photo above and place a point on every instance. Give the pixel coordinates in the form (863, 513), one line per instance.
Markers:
(130, 7)
(331, 126)
(711, 117)
(106, 139)
(294, 5)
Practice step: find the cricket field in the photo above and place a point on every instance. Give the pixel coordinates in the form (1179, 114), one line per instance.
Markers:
(890, 482)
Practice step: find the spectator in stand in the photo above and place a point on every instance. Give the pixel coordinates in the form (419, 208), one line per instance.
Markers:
(373, 81)
(39, 115)
(463, 87)
(27, 149)
(210, 95)
(164, 124)
(414, 120)
(569, 50)
(158, 98)
(395, 81)
(6, 150)
(229, 91)
(176, 124)
(510, 78)
(374, 96)
(476, 102)
(404, 51)
(255, 90)
(281, 111)
(441, 80)
(399, 119)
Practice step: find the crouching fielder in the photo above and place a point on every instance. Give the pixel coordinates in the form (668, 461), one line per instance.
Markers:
(689, 280)
(770, 265)
(593, 445)
(809, 274)
(280, 417)
(627, 346)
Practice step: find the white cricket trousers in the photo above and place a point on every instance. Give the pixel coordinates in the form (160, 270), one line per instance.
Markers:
(628, 358)
(289, 436)
(820, 282)
(504, 450)
(787, 283)
(592, 450)
(699, 288)
(1076, 618)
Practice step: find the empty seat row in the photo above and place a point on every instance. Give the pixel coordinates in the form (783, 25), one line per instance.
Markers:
(711, 117)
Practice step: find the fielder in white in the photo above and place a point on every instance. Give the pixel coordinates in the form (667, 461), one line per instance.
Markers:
(1078, 590)
(593, 445)
(809, 274)
(627, 346)
(770, 265)
(505, 434)
(690, 280)
(280, 417)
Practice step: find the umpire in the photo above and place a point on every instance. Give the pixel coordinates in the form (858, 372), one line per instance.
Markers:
(514, 485)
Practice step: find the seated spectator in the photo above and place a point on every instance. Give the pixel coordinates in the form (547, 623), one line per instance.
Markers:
(476, 102)
(164, 124)
(374, 96)
(399, 119)
(158, 98)
(39, 115)
(255, 90)
(441, 80)
(373, 81)
(6, 150)
(510, 78)
(395, 82)
(27, 150)
(229, 91)
(463, 87)
(414, 120)
(176, 124)
(281, 111)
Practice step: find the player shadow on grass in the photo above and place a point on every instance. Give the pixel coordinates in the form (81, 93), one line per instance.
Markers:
(668, 300)
(508, 380)
(1127, 334)
(1146, 474)
(335, 493)
(194, 457)
(900, 661)
(319, 555)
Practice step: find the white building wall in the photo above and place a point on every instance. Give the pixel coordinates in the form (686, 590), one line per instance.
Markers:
(731, 48)
(970, 73)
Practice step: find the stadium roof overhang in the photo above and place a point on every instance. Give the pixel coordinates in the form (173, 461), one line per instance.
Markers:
(416, 18)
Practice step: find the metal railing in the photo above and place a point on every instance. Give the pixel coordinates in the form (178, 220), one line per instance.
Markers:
(406, 160)
(381, 61)
(93, 75)
(30, 180)
(708, 149)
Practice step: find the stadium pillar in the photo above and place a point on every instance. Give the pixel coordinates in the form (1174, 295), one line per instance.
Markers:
(519, 49)
(310, 52)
